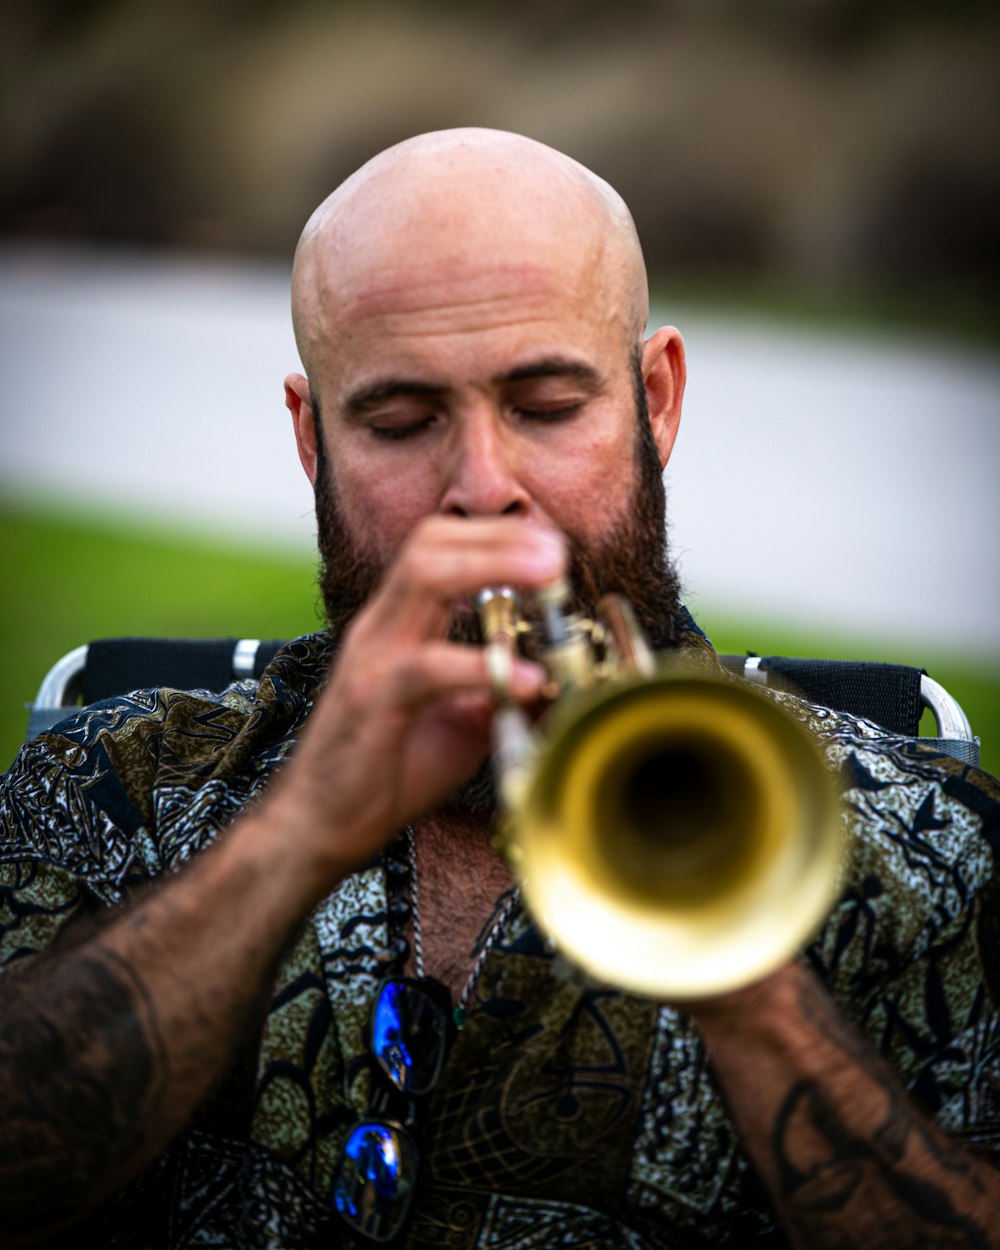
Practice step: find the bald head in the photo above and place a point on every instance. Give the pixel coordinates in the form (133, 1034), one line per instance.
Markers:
(462, 207)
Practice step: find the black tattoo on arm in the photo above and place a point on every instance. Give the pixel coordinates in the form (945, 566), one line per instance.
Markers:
(82, 1074)
(846, 1179)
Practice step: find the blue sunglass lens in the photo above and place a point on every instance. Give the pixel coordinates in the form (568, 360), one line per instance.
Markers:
(409, 1037)
(373, 1186)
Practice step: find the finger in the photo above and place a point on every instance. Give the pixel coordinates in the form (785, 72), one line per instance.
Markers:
(443, 669)
(450, 558)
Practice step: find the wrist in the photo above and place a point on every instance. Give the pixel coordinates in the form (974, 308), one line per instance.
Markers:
(773, 997)
(787, 1017)
(295, 846)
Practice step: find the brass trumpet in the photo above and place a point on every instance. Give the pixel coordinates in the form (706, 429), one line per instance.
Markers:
(676, 835)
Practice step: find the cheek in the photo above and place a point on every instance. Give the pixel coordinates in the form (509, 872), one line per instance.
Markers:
(588, 487)
(381, 508)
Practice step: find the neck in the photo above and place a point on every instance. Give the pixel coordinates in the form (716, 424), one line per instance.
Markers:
(455, 821)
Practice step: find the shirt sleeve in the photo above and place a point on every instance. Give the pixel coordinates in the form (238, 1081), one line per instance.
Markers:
(911, 951)
(70, 838)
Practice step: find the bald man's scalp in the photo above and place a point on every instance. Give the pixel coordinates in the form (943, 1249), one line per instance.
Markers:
(470, 193)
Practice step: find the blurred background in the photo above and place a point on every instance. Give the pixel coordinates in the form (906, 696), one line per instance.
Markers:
(817, 187)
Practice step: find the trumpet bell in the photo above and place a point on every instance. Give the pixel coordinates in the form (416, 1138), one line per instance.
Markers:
(679, 837)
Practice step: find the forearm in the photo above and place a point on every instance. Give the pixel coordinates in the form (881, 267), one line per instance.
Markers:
(106, 1049)
(848, 1159)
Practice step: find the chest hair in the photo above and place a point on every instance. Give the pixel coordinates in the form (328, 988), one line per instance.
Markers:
(461, 881)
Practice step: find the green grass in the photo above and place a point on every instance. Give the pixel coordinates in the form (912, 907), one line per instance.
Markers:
(69, 578)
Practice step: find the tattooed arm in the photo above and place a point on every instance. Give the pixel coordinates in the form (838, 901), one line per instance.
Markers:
(107, 1048)
(848, 1160)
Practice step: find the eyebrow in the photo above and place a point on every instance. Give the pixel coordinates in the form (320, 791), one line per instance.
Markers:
(366, 398)
(554, 367)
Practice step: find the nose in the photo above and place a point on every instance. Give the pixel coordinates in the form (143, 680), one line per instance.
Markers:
(485, 478)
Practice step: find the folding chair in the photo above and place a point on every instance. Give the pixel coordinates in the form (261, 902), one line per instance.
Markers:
(114, 666)
(891, 695)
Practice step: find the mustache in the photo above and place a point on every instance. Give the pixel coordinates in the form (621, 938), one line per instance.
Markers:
(631, 561)
(647, 587)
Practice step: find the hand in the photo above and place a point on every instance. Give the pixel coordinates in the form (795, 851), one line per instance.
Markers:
(406, 715)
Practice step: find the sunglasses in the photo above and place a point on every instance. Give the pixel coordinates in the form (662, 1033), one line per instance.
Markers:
(409, 1034)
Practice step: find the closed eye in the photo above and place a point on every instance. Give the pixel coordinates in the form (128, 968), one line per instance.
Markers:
(561, 413)
(391, 433)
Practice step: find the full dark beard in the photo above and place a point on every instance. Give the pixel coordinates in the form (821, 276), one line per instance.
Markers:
(631, 560)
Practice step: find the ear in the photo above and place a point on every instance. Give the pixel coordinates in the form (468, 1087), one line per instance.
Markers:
(664, 373)
(298, 401)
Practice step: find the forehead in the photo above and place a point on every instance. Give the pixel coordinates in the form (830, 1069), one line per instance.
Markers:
(473, 315)
(391, 295)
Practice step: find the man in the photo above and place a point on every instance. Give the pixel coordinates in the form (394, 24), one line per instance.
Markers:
(479, 409)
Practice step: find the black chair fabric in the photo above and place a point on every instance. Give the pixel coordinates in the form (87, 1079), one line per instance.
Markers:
(888, 694)
(117, 665)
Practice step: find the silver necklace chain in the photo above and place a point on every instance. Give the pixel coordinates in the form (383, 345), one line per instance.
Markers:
(418, 940)
(496, 929)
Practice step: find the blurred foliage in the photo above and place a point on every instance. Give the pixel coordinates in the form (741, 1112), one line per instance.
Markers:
(939, 316)
(835, 143)
(69, 578)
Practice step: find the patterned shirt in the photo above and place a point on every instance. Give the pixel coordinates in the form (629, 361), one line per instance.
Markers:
(566, 1115)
